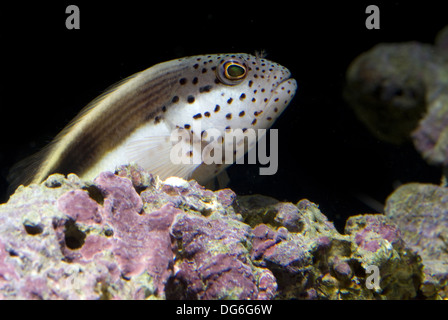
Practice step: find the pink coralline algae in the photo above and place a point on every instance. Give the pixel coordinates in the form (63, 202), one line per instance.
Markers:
(66, 239)
(129, 235)
(376, 231)
(140, 242)
(318, 262)
(216, 262)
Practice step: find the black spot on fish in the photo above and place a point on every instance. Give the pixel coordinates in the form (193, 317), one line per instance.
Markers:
(217, 108)
(190, 99)
(197, 116)
(242, 113)
(230, 101)
(175, 99)
(242, 96)
(205, 88)
(207, 114)
(187, 126)
(195, 80)
(229, 116)
(183, 81)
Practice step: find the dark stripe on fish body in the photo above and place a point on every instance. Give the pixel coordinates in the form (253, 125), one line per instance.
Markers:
(123, 117)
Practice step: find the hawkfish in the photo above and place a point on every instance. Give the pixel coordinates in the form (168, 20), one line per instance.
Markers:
(134, 120)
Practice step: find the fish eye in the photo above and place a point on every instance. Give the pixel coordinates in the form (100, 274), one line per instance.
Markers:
(232, 72)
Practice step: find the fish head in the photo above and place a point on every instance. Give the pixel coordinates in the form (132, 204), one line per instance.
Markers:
(230, 91)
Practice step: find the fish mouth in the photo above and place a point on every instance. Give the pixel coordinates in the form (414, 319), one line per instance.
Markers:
(285, 76)
(283, 93)
(290, 78)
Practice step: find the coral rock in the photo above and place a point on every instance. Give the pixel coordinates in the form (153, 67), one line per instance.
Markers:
(217, 248)
(400, 92)
(131, 236)
(420, 211)
(378, 243)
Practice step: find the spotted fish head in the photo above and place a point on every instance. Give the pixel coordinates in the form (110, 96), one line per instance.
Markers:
(230, 91)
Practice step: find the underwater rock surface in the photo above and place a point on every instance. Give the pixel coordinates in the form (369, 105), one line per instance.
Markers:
(421, 213)
(129, 235)
(400, 92)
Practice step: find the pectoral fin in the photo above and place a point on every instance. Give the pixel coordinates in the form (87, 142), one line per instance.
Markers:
(156, 155)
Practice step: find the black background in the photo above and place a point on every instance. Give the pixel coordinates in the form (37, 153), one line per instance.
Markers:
(49, 73)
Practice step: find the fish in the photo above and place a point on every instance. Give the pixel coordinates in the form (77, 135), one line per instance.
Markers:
(134, 120)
